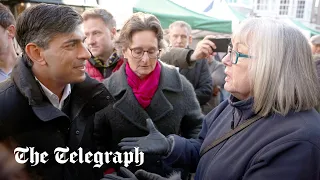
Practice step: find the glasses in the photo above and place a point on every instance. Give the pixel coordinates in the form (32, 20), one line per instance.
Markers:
(139, 52)
(234, 55)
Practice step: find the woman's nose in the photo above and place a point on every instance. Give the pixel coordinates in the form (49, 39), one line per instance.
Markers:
(226, 60)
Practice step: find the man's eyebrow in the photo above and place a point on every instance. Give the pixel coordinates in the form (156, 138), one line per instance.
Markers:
(74, 40)
(138, 47)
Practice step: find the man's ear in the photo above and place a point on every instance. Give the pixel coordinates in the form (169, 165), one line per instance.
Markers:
(317, 49)
(124, 53)
(35, 53)
(11, 31)
(113, 32)
(190, 40)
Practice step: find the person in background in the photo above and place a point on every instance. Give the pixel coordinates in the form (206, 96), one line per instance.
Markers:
(315, 48)
(199, 75)
(8, 55)
(216, 69)
(268, 129)
(100, 29)
(144, 87)
(49, 101)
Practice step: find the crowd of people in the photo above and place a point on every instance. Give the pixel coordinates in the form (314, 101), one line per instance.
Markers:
(80, 83)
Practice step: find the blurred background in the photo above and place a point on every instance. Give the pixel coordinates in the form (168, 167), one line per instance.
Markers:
(217, 17)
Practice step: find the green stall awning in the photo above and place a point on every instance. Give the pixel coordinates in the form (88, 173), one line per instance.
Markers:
(168, 12)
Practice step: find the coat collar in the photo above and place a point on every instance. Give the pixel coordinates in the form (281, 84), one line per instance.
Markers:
(129, 107)
(242, 109)
(30, 89)
(82, 94)
(117, 82)
(28, 86)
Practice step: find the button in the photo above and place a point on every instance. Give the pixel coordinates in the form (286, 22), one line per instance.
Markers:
(77, 132)
(108, 97)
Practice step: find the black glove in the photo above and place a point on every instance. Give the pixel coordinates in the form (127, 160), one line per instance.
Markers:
(154, 143)
(143, 175)
(124, 174)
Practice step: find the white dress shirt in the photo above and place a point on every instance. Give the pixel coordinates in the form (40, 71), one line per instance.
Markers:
(54, 99)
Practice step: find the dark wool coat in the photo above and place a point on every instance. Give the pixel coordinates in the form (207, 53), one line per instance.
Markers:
(200, 78)
(29, 119)
(174, 109)
(275, 147)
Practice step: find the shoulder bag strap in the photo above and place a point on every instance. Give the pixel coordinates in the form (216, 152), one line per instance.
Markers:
(230, 133)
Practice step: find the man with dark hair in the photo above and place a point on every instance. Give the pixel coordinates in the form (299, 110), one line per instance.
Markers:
(49, 101)
(8, 55)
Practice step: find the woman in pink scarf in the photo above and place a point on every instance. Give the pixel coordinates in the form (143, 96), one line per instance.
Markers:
(144, 87)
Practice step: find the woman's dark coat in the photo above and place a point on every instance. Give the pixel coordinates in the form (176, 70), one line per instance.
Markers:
(174, 109)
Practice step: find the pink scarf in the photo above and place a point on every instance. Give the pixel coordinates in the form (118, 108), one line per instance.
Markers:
(144, 89)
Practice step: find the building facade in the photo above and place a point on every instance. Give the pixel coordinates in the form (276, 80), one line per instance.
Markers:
(297, 9)
(315, 14)
(302, 10)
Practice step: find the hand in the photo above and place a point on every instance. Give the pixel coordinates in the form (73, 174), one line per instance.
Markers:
(125, 173)
(216, 90)
(154, 143)
(203, 49)
(9, 168)
(143, 175)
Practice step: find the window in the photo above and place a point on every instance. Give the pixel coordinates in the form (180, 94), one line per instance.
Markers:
(262, 4)
(284, 7)
(300, 9)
